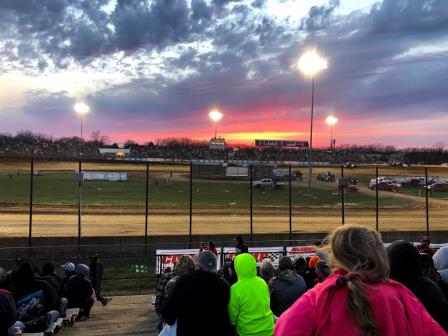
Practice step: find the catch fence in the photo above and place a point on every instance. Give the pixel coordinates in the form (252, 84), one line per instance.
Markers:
(41, 198)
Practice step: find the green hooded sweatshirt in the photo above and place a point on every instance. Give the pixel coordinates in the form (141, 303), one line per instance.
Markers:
(249, 306)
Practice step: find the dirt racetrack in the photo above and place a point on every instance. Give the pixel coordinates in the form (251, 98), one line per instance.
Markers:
(61, 220)
(129, 222)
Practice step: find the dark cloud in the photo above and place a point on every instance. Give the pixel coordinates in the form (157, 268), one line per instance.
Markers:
(319, 16)
(248, 63)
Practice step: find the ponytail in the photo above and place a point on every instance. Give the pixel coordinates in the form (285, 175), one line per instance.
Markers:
(359, 251)
(360, 308)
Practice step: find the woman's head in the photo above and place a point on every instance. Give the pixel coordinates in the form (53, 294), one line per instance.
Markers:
(359, 249)
(361, 253)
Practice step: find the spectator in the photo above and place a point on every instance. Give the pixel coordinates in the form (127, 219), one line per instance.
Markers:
(199, 301)
(25, 283)
(249, 307)
(357, 299)
(310, 275)
(80, 292)
(49, 275)
(430, 272)
(183, 266)
(240, 247)
(211, 247)
(425, 246)
(55, 281)
(69, 270)
(405, 267)
(322, 271)
(96, 276)
(286, 287)
(441, 262)
(8, 314)
(267, 270)
(300, 266)
(228, 272)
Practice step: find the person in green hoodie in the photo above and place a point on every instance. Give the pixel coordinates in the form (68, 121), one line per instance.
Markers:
(249, 306)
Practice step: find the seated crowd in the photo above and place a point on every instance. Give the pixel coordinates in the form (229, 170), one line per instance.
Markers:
(30, 299)
(353, 285)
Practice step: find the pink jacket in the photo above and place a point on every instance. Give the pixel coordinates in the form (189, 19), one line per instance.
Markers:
(323, 310)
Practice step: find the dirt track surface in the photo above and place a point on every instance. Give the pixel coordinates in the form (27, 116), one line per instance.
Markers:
(61, 220)
(164, 222)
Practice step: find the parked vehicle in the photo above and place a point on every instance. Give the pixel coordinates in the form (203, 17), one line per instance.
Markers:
(267, 183)
(388, 186)
(438, 187)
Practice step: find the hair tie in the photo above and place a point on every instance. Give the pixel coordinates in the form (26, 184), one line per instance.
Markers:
(341, 281)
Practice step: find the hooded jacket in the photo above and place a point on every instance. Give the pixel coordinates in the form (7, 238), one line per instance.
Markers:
(323, 310)
(405, 267)
(285, 289)
(249, 307)
(199, 305)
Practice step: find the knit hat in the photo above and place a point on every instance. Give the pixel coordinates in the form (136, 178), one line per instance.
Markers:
(313, 261)
(82, 269)
(206, 261)
(322, 255)
(69, 267)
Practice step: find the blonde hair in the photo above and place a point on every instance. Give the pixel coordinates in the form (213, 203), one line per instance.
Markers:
(360, 251)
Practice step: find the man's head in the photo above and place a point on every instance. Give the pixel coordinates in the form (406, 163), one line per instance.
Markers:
(206, 261)
(285, 263)
(68, 267)
(48, 267)
(83, 270)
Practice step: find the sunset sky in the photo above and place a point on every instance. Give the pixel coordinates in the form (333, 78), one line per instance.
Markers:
(154, 69)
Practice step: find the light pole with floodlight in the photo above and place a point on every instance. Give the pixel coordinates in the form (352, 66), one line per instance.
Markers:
(310, 64)
(216, 116)
(81, 109)
(331, 121)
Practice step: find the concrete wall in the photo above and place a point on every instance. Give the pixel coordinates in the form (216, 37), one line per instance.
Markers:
(60, 247)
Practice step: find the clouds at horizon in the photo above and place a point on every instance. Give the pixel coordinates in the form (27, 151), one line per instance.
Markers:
(154, 68)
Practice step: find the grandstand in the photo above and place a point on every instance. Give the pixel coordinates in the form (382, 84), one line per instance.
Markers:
(27, 144)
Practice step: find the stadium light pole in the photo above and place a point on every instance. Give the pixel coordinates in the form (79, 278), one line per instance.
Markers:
(82, 109)
(310, 64)
(331, 121)
(216, 116)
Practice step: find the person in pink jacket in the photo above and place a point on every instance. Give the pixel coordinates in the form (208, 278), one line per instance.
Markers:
(358, 298)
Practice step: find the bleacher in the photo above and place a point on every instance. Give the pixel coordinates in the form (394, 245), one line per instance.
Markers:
(125, 315)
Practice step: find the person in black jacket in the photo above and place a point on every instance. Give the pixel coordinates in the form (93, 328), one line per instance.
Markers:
(96, 276)
(80, 293)
(54, 279)
(405, 267)
(25, 282)
(56, 282)
(8, 314)
(199, 301)
(69, 270)
(240, 247)
(286, 287)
